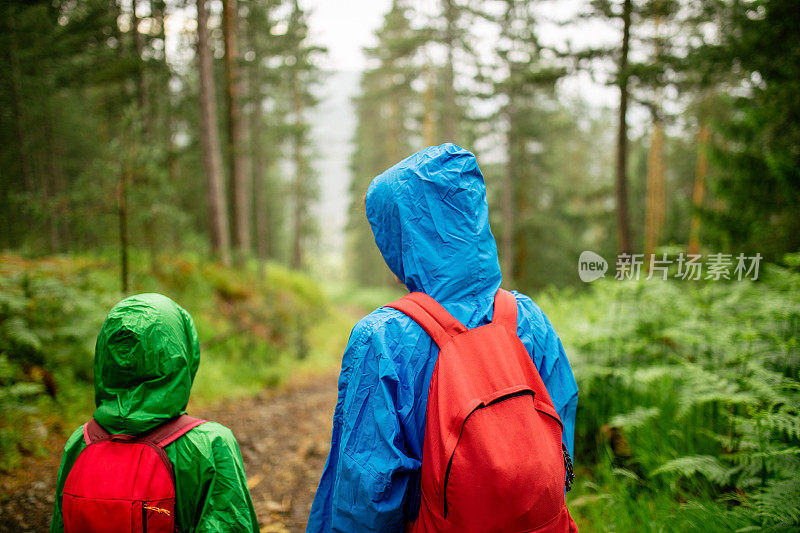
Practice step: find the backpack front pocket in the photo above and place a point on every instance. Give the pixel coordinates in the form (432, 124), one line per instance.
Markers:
(506, 453)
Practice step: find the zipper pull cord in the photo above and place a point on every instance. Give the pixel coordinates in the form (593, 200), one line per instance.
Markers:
(568, 466)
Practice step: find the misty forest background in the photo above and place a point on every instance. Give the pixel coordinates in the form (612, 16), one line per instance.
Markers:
(133, 158)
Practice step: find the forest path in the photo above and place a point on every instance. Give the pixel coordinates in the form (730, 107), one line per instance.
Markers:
(284, 435)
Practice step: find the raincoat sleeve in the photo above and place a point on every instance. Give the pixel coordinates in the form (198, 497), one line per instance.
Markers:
(72, 448)
(365, 480)
(538, 335)
(211, 484)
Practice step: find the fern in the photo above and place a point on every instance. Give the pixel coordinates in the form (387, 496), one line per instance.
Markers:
(649, 375)
(17, 331)
(705, 373)
(636, 418)
(705, 386)
(785, 422)
(11, 301)
(778, 503)
(13, 394)
(706, 465)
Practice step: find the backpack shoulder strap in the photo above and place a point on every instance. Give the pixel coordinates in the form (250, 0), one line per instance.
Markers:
(172, 430)
(93, 432)
(430, 315)
(505, 310)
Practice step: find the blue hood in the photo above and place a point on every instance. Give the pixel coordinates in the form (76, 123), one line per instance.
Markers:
(431, 223)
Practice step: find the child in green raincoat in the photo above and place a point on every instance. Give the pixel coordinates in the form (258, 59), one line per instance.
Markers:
(146, 357)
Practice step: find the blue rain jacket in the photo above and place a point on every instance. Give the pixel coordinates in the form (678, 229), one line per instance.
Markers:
(431, 223)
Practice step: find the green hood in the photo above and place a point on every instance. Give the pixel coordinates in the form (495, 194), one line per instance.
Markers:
(145, 360)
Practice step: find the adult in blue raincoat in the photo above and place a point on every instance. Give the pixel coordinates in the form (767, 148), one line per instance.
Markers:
(431, 223)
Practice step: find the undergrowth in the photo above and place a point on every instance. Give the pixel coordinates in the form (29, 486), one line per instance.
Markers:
(689, 408)
(255, 330)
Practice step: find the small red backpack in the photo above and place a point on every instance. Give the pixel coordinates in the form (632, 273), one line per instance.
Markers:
(123, 483)
(492, 457)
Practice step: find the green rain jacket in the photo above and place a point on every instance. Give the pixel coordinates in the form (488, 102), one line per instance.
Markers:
(146, 357)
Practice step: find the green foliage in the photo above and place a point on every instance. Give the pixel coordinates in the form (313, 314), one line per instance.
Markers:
(689, 393)
(634, 419)
(756, 64)
(254, 331)
(47, 330)
(687, 466)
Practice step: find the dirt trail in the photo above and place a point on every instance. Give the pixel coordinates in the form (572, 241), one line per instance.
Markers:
(284, 435)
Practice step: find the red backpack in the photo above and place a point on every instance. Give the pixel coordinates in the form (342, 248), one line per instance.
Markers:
(123, 483)
(492, 458)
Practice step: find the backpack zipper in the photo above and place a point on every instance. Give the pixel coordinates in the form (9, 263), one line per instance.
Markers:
(144, 517)
(525, 392)
(568, 467)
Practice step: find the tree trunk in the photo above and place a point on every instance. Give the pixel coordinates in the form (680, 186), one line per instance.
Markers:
(623, 221)
(259, 175)
(699, 189)
(429, 102)
(299, 183)
(209, 134)
(260, 193)
(158, 8)
(521, 230)
(509, 180)
(141, 79)
(122, 200)
(450, 108)
(655, 202)
(141, 178)
(18, 110)
(65, 229)
(655, 208)
(507, 253)
(239, 180)
(394, 130)
(54, 180)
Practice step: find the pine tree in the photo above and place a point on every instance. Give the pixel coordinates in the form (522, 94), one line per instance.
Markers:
(386, 93)
(450, 79)
(526, 85)
(755, 144)
(266, 117)
(301, 75)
